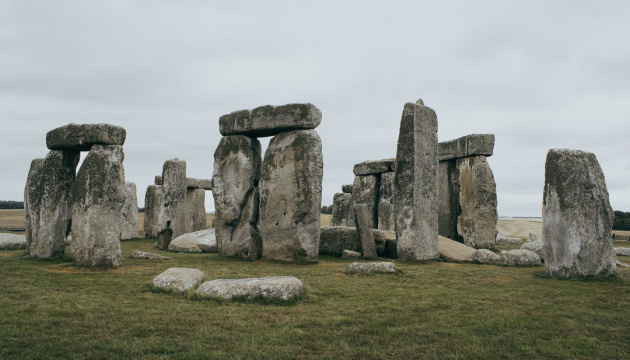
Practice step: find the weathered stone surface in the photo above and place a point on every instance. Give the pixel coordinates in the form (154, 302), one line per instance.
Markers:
(415, 184)
(12, 241)
(519, 257)
(503, 240)
(577, 217)
(532, 236)
(536, 246)
(158, 180)
(370, 268)
(622, 251)
(195, 242)
(347, 189)
(173, 218)
(277, 287)
(196, 202)
(349, 254)
(365, 190)
(478, 200)
(237, 167)
(485, 256)
(341, 207)
(81, 137)
(136, 254)
(465, 146)
(374, 167)
(129, 214)
(291, 196)
(335, 239)
(270, 120)
(205, 184)
(362, 221)
(619, 263)
(47, 201)
(386, 202)
(449, 208)
(453, 251)
(153, 203)
(97, 201)
(179, 279)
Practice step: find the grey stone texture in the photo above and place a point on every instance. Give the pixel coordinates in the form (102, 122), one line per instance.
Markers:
(503, 240)
(362, 219)
(290, 196)
(158, 180)
(519, 257)
(195, 242)
(10, 241)
(153, 203)
(173, 218)
(179, 279)
(370, 268)
(81, 137)
(137, 254)
(237, 170)
(48, 201)
(577, 217)
(449, 207)
(536, 246)
(129, 214)
(270, 120)
(276, 287)
(335, 239)
(386, 202)
(469, 145)
(196, 202)
(349, 254)
(205, 184)
(341, 207)
(371, 167)
(622, 251)
(485, 256)
(532, 235)
(453, 251)
(97, 201)
(347, 189)
(415, 183)
(365, 190)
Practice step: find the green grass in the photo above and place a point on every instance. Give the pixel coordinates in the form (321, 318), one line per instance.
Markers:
(51, 309)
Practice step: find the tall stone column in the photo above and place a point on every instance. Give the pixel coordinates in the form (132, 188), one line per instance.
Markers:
(365, 190)
(153, 203)
(196, 199)
(341, 206)
(386, 202)
(129, 216)
(173, 218)
(415, 184)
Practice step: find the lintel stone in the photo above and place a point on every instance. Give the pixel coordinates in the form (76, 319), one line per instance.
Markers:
(270, 120)
(465, 146)
(374, 167)
(81, 137)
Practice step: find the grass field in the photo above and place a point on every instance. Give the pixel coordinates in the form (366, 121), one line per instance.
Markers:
(435, 310)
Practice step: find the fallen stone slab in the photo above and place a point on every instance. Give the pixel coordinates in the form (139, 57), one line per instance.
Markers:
(270, 120)
(179, 279)
(536, 246)
(12, 241)
(519, 257)
(349, 254)
(465, 146)
(370, 268)
(503, 240)
(485, 256)
(623, 251)
(374, 167)
(276, 287)
(619, 263)
(195, 242)
(137, 254)
(453, 251)
(81, 137)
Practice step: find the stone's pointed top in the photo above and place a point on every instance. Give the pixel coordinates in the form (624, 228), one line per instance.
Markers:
(374, 167)
(465, 146)
(419, 102)
(270, 120)
(81, 137)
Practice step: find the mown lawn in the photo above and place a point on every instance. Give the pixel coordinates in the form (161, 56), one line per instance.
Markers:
(50, 309)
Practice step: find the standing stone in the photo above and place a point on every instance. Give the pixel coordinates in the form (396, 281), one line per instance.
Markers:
(173, 219)
(237, 163)
(291, 196)
(129, 217)
(196, 199)
(386, 202)
(153, 202)
(415, 184)
(341, 206)
(577, 217)
(449, 207)
(97, 201)
(363, 223)
(365, 190)
(48, 201)
(478, 200)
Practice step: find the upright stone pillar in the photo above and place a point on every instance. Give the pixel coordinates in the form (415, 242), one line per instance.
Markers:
(341, 206)
(365, 190)
(577, 217)
(386, 202)
(97, 201)
(173, 219)
(237, 167)
(415, 184)
(48, 199)
(129, 215)
(291, 196)
(196, 199)
(153, 203)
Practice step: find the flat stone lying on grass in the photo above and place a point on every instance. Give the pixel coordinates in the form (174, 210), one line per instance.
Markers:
(622, 251)
(12, 241)
(277, 287)
(619, 263)
(349, 254)
(453, 251)
(137, 254)
(179, 279)
(503, 240)
(536, 246)
(195, 242)
(370, 268)
(519, 257)
(81, 137)
(485, 256)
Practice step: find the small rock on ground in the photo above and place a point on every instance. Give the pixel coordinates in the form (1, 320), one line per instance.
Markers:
(519, 257)
(349, 254)
(370, 268)
(179, 279)
(195, 242)
(10, 241)
(277, 287)
(484, 256)
(136, 254)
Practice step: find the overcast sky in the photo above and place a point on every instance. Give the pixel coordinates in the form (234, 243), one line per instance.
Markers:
(537, 74)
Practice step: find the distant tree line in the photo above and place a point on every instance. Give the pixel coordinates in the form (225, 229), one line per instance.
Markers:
(11, 204)
(622, 221)
(327, 210)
